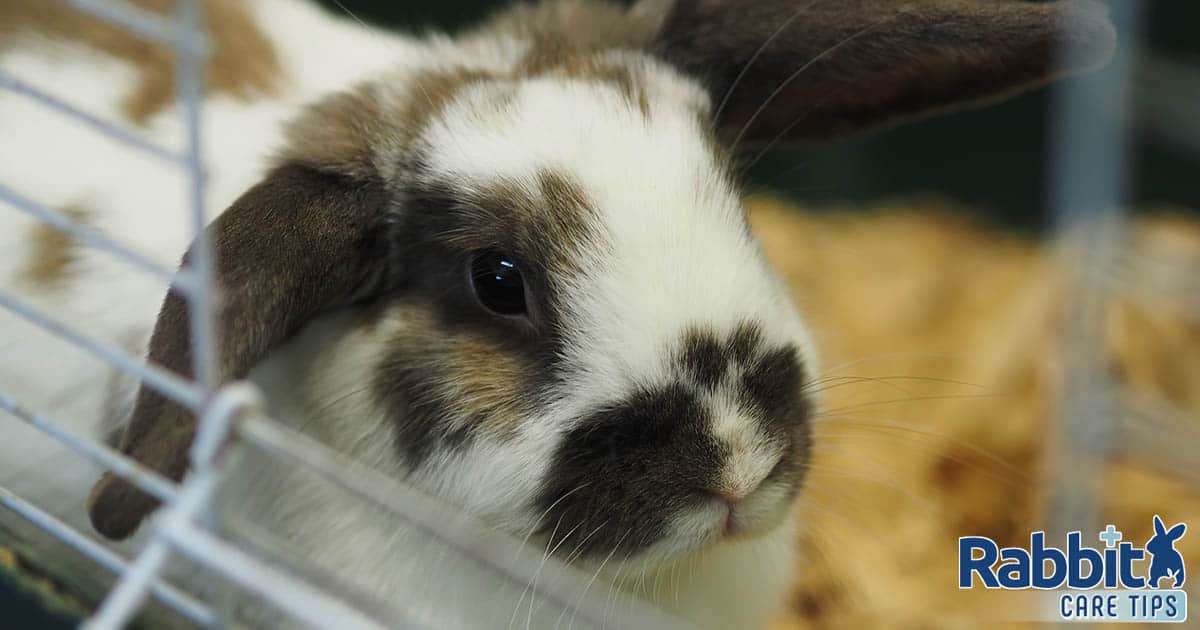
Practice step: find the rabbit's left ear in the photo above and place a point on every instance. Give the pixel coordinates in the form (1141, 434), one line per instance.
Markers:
(304, 240)
(805, 69)
(1159, 528)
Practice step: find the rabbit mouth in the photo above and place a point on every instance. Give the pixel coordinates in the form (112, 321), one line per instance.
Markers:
(733, 518)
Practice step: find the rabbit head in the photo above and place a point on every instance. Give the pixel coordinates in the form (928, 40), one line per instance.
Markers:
(564, 319)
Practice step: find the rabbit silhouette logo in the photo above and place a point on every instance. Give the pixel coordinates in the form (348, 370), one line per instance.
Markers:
(1165, 560)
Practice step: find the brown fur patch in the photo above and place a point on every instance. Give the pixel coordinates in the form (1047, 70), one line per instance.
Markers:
(349, 131)
(551, 217)
(557, 59)
(243, 62)
(430, 92)
(341, 133)
(446, 384)
(53, 252)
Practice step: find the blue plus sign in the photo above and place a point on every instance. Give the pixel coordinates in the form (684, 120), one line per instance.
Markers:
(1110, 536)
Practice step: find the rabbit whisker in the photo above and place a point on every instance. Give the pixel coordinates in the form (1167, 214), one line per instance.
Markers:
(537, 574)
(537, 522)
(753, 58)
(795, 75)
(592, 580)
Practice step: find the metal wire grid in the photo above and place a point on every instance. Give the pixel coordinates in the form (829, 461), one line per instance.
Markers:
(179, 528)
(1087, 191)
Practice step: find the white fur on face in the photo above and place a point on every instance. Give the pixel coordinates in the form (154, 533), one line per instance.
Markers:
(674, 251)
(670, 251)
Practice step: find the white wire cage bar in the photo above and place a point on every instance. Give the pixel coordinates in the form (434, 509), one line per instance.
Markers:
(181, 602)
(1089, 157)
(1088, 194)
(178, 529)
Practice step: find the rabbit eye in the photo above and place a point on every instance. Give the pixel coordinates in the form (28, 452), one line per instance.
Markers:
(497, 283)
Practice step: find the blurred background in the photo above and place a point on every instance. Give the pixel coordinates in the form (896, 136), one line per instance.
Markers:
(993, 160)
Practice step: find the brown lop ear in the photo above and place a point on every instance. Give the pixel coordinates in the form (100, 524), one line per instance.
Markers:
(813, 69)
(300, 242)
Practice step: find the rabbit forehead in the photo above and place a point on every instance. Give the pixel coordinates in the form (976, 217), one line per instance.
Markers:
(574, 116)
(667, 246)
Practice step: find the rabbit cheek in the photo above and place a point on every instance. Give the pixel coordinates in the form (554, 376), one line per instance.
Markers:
(626, 470)
(445, 388)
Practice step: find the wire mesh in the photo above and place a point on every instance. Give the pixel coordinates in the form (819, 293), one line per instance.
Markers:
(1087, 190)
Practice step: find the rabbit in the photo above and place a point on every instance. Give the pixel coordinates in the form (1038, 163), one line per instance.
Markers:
(510, 267)
(1165, 561)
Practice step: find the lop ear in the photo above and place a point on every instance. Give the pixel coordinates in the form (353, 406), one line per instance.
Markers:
(302, 241)
(810, 69)
(1175, 533)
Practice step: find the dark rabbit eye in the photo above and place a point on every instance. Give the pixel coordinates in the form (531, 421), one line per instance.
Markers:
(497, 283)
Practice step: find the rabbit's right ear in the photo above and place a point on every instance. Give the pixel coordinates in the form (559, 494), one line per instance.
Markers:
(304, 240)
(788, 70)
(1176, 532)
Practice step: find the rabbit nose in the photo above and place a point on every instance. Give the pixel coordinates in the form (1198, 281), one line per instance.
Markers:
(729, 503)
(746, 471)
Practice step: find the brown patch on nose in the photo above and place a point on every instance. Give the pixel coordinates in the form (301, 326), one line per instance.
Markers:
(745, 342)
(772, 384)
(243, 62)
(706, 356)
(703, 357)
(54, 253)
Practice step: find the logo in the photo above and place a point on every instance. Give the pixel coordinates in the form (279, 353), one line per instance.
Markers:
(1121, 582)
(1165, 561)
